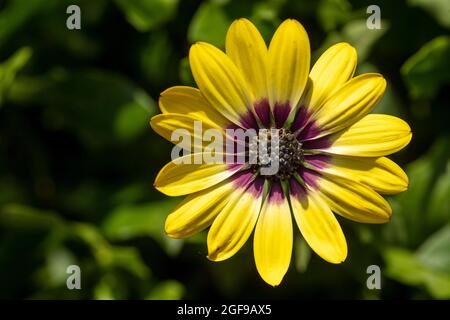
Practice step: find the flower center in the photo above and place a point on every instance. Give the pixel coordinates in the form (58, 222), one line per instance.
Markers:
(282, 153)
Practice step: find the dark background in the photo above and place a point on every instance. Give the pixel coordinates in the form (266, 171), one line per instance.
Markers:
(78, 157)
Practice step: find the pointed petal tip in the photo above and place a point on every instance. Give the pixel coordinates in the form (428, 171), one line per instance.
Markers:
(338, 259)
(159, 185)
(169, 229)
(173, 234)
(350, 50)
(217, 256)
(240, 21)
(198, 44)
(152, 120)
(164, 93)
(195, 47)
(345, 44)
(272, 279)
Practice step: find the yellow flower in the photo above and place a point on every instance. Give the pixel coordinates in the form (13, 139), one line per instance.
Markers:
(333, 150)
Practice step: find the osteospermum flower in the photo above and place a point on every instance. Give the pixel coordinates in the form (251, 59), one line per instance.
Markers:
(332, 151)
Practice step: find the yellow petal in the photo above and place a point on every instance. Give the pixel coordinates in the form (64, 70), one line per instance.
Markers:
(180, 179)
(247, 49)
(288, 63)
(234, 225)
(166, 124)
(375, 135)
(273, 241)
(354, 201)
(319, 227)
(198, 210)
(381, 174)
(334, 67)
(220, 81)
(189, 101)
(350, 103)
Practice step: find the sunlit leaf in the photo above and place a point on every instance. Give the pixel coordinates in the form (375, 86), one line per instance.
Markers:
(145, 15)
(25, 217)
(302, 254)
(439, 204)
(127, 118)
(9, 69)
(357, 34)
(129, 258)
(109, 288)
(332, 13)
(435, 251)
(402, 265)
(185, 73)
(167, 290)
(57, 261)
(439, 9)
(210, 24)
(428, 69)
(129, 222)
(266, 17)
(157, 59)
(410, 206)
(90, 234)
(17, 13)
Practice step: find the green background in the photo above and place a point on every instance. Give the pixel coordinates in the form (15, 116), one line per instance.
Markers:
(78, 157)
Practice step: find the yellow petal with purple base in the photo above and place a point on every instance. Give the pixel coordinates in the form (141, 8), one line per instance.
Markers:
(190, 101)
(319, 227)
(273, 238)
(178, 178)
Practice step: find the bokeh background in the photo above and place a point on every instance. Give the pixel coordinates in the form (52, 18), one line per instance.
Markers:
(78, 157)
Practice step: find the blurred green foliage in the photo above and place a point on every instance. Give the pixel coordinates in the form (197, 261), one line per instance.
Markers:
(77, 156)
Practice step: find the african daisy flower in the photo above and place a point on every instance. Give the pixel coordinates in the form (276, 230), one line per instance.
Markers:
(331, 150)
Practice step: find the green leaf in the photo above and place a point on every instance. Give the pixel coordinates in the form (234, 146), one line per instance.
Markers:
(127, 117)
(210, 24)
(390, 103)
(185, 73)
(127, 222)
(439, 9)
(412, 201)
(403, 266)
(9, 69)
(24, 217)
(435, 251)
(410, 206)
(333, 13)
(109, 287)
(157, 59)
(16, 15)
(167, 290)
(437, 284)
(302, 254)
(438, 211)
(129, 259)
(90, 234)
(54, 272)
(146, 15)
(428, 69)
(99, 107)
(356, 33)
(266, 17)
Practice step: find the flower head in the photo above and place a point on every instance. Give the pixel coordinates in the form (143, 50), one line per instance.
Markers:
(330, 152)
